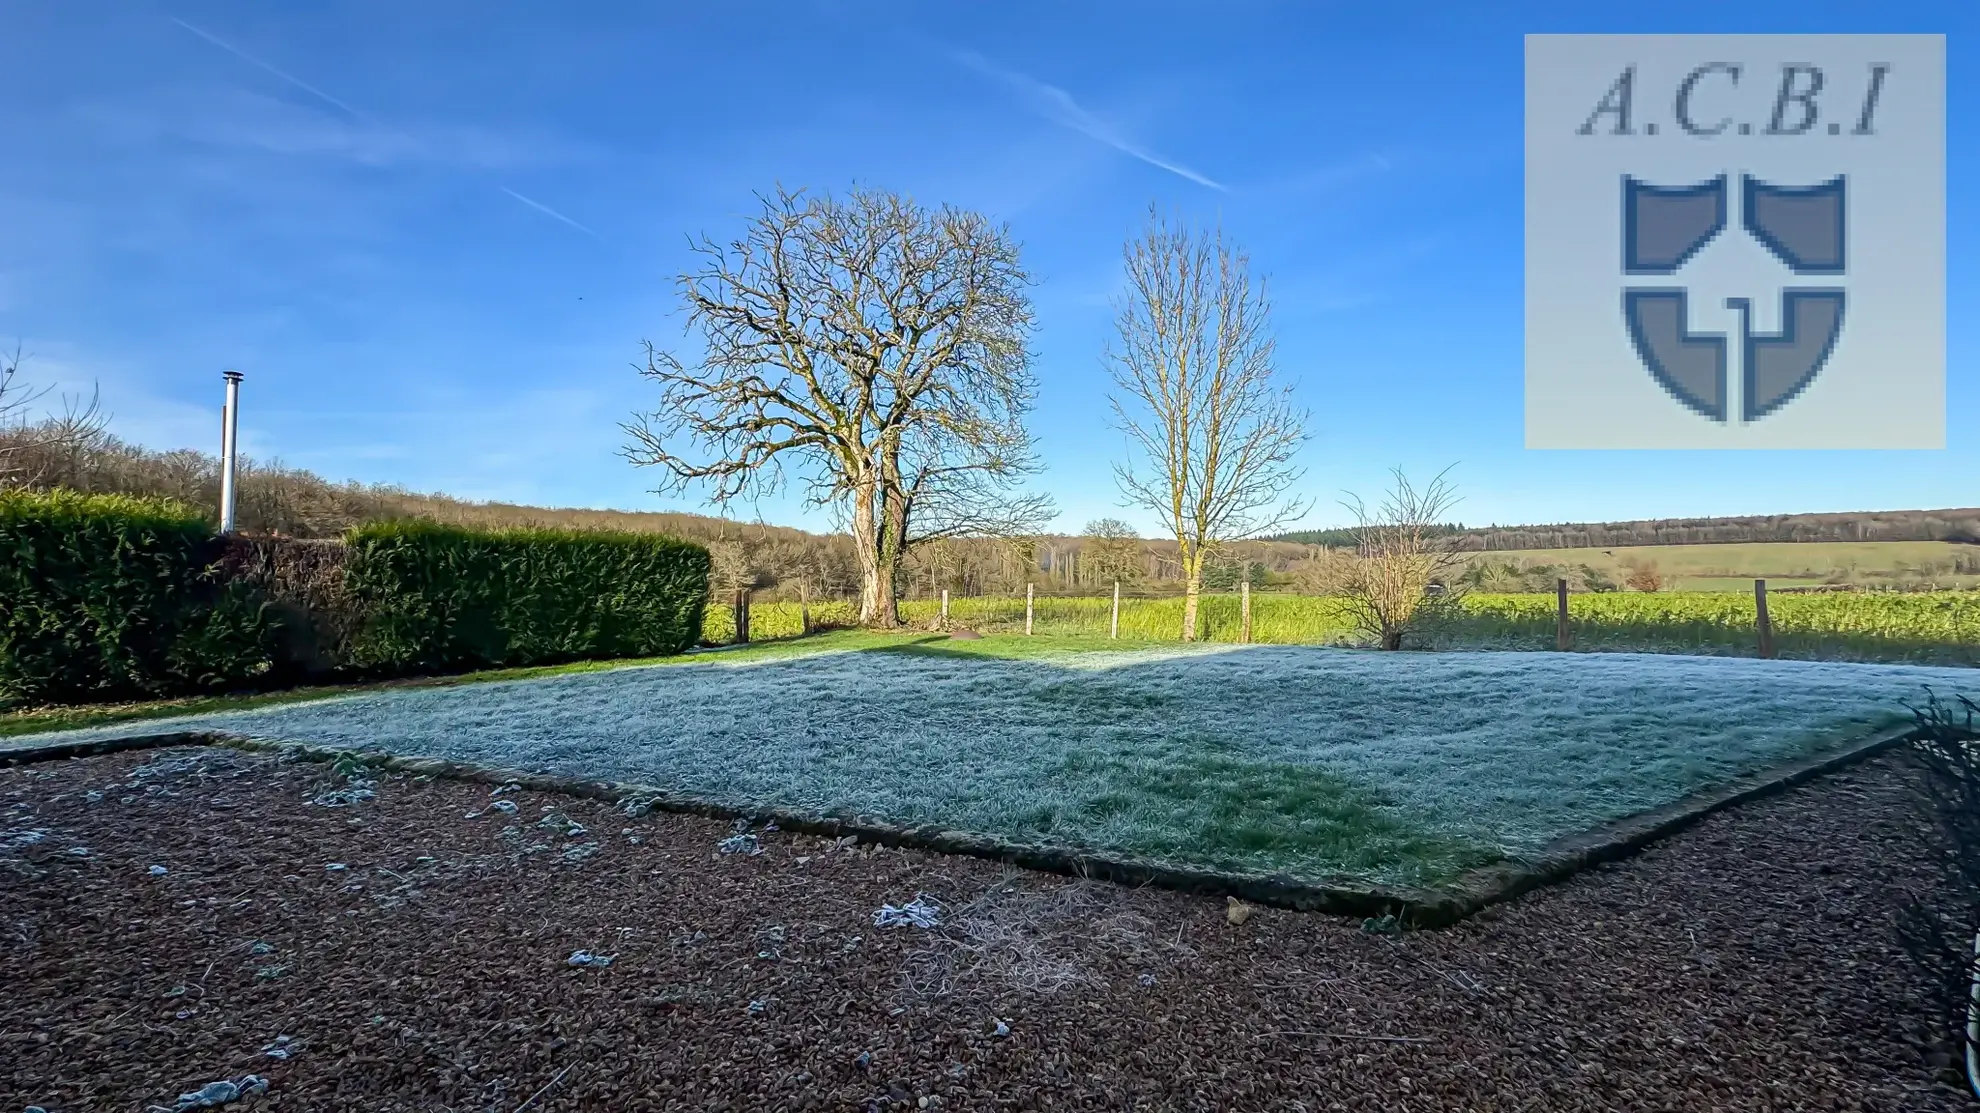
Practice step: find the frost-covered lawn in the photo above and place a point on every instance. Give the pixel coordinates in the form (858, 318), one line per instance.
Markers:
(1320, 762)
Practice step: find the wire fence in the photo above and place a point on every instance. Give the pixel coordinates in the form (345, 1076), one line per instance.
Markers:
(1912, 627)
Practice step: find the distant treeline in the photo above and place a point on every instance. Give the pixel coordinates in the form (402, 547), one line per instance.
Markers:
(1344, 537)
(291, 502)
(784, 563)
(1961, 525)
(777, 561)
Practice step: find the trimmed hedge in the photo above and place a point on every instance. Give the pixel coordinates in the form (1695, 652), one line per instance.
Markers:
(437, 598)
(113, 597)
(108, 597)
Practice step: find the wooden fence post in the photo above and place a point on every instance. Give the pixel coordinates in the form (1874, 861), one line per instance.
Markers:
(742, 616)
(1765, 623)
(1028, 588)
(945, 604)
(1563, 638)
(1114, 628)
(1244, 611)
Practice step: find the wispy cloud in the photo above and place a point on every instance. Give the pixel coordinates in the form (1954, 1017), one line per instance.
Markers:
(394, 135)
(548, 211)
(1061, 108)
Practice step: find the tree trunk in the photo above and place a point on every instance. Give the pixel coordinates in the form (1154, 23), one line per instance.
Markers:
(876, 561)
(892, 543)
(1192, 594)
(878, 603)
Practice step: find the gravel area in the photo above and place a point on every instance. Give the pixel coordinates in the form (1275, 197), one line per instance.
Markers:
(173, 918)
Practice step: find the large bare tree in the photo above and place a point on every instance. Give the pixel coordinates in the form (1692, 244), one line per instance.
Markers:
(878, 348)
(1406, 571)
(1212, 434)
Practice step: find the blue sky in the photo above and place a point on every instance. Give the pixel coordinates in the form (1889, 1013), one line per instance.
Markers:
(434, 237)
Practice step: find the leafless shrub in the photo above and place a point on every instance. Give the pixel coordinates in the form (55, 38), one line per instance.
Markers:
(1405, 574)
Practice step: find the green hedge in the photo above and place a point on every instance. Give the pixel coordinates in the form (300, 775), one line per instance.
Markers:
(439, 598)
(113, 597)
(109, 597)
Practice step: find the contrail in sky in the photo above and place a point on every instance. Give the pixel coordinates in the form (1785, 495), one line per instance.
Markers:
(344, 106)
(548, 211)
(1057, 105)
(261, 65)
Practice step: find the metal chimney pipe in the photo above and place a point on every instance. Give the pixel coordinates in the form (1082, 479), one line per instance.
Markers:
(230, 420)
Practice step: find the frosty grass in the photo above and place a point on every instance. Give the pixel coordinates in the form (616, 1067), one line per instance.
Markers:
(1323, 763)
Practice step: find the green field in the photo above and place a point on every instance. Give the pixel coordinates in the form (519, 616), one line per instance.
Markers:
(1782, 564)
(1941, 627)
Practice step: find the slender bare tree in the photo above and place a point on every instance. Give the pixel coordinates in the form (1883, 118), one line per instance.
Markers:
(1406, 572)
(1211, 434)
(877, 346)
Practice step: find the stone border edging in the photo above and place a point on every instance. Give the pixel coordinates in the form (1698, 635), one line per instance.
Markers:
(1415, 907)
(1612, 841)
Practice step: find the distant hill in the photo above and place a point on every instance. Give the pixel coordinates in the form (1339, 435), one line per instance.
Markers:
(1957, 525)
(298, 503)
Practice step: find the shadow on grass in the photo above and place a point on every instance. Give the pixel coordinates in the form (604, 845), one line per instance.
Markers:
(1232, 813)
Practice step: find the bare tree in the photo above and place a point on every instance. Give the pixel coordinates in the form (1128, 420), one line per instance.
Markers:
(1110, 551)
(1406, 571)
(877, 346)
(1211, 434)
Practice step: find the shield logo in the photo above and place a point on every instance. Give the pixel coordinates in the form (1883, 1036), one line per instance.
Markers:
(1801, 226)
